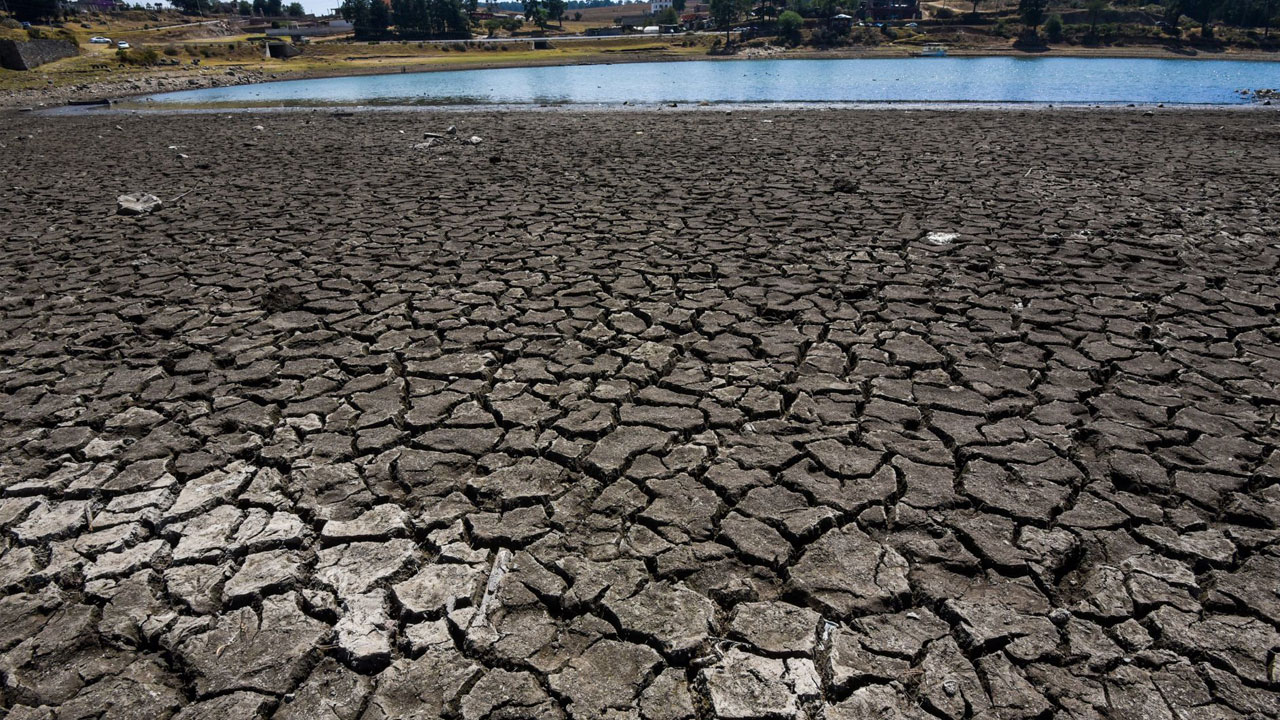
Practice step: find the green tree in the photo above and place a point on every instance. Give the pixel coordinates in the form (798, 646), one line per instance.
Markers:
(789, 24)
(379, 15)
(295, 9)
(1203, 12)
(667, 17)
(724, 12)
(33, 10)
(1053, 27)
(678, 5)
(189, 7)
(275, 8)
(536, 11)
(260, 7)
(245, 8)
(1032, 12)
(1095, 8)
(556, 10)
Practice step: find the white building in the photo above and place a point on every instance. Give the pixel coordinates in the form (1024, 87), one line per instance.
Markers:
(658, 6)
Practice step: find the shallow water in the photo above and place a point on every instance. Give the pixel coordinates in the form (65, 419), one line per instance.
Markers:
(985, 79)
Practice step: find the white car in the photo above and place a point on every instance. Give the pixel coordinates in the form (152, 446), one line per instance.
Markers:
(99, 40)
(122, 45)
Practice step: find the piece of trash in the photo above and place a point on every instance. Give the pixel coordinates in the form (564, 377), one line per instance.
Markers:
(424, 145)
(941, 238)
(474, 140)
(452, 130)
(258, 127)
(137, 204)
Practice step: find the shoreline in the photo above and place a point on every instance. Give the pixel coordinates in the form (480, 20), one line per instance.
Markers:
(101, 91)
(664, 108)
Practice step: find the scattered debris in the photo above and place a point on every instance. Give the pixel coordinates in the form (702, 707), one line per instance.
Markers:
(138, 204)
(941, 238)
(474, 140)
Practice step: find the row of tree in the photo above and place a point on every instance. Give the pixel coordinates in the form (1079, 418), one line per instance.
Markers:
(1241, 13)
(421, 17)
(265, 8)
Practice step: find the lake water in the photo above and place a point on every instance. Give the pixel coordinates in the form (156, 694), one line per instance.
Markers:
(952, 79)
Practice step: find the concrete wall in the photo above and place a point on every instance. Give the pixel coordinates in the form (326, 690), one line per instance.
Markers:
(16, 55)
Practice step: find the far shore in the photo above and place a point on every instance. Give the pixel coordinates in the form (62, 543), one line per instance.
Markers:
(61, 91)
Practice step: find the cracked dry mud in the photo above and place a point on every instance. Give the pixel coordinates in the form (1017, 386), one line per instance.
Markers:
(642, 416)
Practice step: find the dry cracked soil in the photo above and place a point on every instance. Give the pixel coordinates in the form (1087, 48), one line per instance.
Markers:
(641, 416)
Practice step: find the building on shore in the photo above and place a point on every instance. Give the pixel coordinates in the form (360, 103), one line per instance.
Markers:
(882, 10)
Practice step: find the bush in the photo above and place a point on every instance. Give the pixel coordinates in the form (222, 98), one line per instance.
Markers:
(10, 24)
(944, 13)
(828, 36)
(171, 50)
(138, 56)
(1053, 28)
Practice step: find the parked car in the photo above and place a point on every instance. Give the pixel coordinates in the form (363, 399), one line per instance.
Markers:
(122, 45)
(26, 25)
(99, 40)
(913, 24)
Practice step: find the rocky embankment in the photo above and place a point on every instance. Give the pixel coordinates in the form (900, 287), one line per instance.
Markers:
(54, 93)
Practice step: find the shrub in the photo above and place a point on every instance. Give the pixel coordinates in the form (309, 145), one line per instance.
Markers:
(138, 56)
(944, 13)
(1053, 28)
(171, 50)
(10, 24)
(827, 36)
